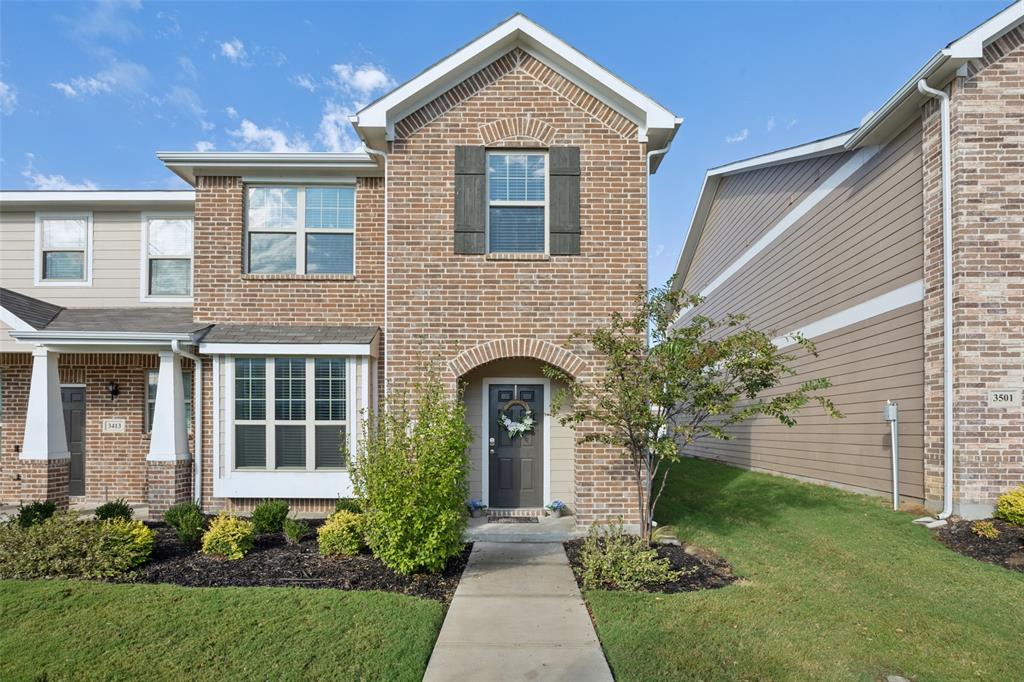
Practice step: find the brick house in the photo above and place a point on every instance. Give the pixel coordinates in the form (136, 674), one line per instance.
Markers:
(842, 240)
(222, 343)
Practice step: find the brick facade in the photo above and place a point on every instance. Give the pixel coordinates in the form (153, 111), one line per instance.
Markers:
(987, 120)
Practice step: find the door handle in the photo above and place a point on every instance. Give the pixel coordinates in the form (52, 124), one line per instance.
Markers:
(491, 451)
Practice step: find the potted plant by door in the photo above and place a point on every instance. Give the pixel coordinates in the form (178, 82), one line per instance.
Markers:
(476, 508)
(555, 508)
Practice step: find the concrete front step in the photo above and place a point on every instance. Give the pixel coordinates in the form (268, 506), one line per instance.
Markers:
(547, 529)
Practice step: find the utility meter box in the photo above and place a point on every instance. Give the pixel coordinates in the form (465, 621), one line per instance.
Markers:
(890, 411)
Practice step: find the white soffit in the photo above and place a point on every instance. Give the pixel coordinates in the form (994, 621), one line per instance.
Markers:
(120, 198)
(375, 123)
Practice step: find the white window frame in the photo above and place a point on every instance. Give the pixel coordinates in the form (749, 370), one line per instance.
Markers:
(144, 258)
(188, 378)
(300, 230)
(500, 202)
(270, 422)
(37, 269)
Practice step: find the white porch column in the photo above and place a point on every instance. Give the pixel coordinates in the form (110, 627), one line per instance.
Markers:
(168, 440)
(44, 419)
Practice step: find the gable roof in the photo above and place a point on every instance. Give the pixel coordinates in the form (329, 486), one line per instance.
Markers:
(375, 122)
(26, 310)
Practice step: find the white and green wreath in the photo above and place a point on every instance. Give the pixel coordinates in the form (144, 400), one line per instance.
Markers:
(516, 428)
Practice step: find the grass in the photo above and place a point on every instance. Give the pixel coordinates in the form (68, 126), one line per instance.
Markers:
(70, 630)
(836, 587)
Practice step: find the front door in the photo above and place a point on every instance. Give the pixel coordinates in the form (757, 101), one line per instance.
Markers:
(516, 461)
(74, 428)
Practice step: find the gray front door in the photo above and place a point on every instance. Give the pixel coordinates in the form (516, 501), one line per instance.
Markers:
(516, 464)
(74, 428)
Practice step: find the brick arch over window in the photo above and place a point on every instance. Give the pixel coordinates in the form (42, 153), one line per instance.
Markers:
(517, 129)
(500, 349)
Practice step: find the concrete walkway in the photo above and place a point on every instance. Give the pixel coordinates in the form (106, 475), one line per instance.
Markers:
(517, 615)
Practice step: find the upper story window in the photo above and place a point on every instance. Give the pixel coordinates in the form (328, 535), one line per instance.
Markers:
(63, 249)
(303, 230)
(517, 202)
(167, 259)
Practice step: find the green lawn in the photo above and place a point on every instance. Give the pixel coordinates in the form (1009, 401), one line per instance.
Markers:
(68, 630)
(836, 587)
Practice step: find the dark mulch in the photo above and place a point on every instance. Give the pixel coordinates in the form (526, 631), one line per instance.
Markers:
(274, 563)
(700, 570)
(1007, 550)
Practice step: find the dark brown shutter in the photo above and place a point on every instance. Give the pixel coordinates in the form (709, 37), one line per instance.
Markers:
(564, 208)
(470, 199)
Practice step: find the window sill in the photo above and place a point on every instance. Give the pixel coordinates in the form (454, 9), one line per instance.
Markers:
(519, 256)
(292, 277)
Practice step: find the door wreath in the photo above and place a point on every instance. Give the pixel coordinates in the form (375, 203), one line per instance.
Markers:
(512, 427)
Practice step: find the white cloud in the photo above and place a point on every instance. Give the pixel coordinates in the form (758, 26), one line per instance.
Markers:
(335, 131)
(231, 112)
(251, 137)
(205, 146)
(361, 80)
(37, 180)
(234, 50)
(305, 81)
(119, 77)
(738, 137)
(771, 124)
(8, 98)
(792, 122)
(865, 117)
(187, 100)
(107, 18)
(188, 68)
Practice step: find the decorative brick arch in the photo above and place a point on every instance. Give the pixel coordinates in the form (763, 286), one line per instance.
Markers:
(559, 357)
(517, 129)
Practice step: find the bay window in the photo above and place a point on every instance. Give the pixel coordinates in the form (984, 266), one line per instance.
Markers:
(301, 230)
(167, 259)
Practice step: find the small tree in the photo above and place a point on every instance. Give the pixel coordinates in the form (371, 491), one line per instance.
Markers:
(689, 382)
(410, 475)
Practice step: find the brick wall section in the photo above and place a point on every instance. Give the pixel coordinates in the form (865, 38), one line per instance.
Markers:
(987, 119)
(44, 480)
(167, 484)
(442, 303)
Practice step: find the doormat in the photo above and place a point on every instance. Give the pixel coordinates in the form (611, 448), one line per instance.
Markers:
(512, 519)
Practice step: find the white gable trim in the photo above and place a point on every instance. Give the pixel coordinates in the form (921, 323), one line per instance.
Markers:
(13, 322)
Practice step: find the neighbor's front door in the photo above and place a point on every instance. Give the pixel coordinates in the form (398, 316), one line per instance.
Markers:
(74, 428)
(516, 463)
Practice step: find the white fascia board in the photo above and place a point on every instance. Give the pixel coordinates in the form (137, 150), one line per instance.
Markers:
(697, 220)
(187, 165)
(99, 337)
(279, 349)
(13, 322)
(972, 44)
(518, 30)
(95, 197)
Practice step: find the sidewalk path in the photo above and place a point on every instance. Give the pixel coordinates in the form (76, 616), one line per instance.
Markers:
(517, 615)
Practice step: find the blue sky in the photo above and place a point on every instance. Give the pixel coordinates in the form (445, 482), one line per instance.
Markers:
(88, 92)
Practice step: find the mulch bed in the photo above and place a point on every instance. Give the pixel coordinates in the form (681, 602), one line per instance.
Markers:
(1007, 550)
(701, 570)
(274, 563)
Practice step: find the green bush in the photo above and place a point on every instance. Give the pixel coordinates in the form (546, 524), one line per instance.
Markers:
(343, 534)
(229, 537)
(294, 530)
(115, 509)
(410, 474)
(65, 547)
(616, 559)
(188, 522)
(985, 529)
(348, 504)
(269, 515)
(1010, 506)
(35, 512)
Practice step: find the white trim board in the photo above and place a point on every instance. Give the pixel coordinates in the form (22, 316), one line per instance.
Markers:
(891, 300)
(485, 424)
(279, 349)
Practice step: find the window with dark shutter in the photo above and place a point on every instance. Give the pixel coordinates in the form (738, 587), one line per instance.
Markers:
(564, 181)
(470, 199)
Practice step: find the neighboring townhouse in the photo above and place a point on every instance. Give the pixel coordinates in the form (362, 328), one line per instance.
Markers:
(842, 239)
(225, 343)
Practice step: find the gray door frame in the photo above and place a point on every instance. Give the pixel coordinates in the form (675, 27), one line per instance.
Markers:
(485, 427)
(80, 387)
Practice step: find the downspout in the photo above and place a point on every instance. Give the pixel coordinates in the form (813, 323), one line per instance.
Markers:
(947, 302)
(383, 350)
(197, 419)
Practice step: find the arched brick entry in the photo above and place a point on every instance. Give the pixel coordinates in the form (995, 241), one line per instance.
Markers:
(499, 349)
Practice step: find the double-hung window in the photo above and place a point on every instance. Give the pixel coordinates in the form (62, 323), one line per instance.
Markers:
(63, 242)
(290, 413)
(186, 384)
(167, 258)
(517, 202)
(303, 230)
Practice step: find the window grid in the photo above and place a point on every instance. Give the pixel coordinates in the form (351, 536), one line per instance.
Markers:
(151, 380)
(517, 192)
(289, 389)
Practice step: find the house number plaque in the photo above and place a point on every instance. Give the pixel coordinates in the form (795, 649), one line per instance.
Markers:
(114, 425)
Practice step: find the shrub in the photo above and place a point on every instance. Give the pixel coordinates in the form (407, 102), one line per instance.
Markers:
(35, 512)
(188, 522)
(294, 530)
(64, 547)
(115, 509)
(342, 534)
(410, 474)
(269, 516)
(985, 529)
(348, 504)
(229, 537)
(616, 559)
(1010, 506)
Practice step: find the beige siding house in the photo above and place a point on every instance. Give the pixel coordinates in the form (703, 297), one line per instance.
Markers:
(841, 240)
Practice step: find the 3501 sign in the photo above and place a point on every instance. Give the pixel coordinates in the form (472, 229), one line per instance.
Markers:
(1004, 397)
